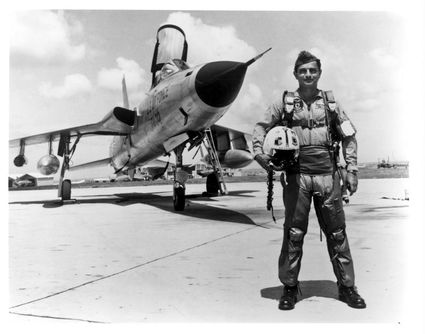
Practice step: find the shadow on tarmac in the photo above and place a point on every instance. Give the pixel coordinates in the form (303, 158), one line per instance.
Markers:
(379, 213)
(192, 209)
(323, 288)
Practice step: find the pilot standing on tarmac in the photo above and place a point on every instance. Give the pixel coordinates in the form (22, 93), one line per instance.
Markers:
(320, 124)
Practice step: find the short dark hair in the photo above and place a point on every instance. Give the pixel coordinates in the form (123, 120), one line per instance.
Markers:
(305, 57)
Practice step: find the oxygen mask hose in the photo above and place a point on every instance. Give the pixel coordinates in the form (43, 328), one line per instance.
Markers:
(270, 176)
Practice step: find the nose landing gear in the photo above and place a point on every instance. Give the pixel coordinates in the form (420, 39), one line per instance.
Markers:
(180, 178)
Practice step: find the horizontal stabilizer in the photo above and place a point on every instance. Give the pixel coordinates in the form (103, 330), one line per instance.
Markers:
(156, 163)
(91, 164)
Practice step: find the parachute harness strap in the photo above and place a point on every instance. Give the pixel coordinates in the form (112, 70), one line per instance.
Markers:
(270, 175)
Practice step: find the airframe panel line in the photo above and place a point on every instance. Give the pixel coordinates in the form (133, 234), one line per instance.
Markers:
(140, 265)
(58, 318)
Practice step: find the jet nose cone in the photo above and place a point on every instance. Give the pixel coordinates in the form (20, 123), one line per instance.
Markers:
(218, 83)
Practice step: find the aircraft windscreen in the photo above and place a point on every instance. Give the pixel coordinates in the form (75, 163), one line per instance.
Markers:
(182, 65)
(171, 44)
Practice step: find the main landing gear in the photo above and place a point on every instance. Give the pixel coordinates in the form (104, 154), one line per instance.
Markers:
(215, 181)
(64, 187)
(213, 184)
(179, 197)
(180, 178)
(66, 190)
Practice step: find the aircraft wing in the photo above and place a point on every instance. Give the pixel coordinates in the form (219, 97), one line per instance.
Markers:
(54, 135)
(116, 122)
(91, 164)
(226, 138)
(232, 146)
(156, 163)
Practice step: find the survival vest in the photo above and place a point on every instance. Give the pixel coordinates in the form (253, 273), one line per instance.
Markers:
(332, 121)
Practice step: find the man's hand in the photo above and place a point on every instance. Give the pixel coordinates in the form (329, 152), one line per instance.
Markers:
(263, 160)
(352, 182)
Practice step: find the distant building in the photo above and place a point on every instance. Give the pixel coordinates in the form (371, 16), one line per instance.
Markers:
(12, 182)
(30, 180)
(26, 180)
(43, 180)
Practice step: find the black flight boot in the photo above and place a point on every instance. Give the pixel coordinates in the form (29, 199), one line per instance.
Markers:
(289, 297)
(350, 296)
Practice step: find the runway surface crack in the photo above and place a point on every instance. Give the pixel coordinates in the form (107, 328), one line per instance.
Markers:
(141, 265)
(58, 318)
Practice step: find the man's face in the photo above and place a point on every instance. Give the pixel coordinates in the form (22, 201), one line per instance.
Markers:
(308, 74)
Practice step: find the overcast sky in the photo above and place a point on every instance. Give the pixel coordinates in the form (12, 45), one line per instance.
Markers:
(66, 67)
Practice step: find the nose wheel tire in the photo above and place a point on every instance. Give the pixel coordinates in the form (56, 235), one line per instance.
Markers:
(66, 190)
(179, 198)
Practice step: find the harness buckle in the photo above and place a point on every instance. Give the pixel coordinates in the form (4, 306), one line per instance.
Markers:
(310, 123)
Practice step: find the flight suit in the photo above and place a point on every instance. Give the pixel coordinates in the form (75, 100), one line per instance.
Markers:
(315, 178)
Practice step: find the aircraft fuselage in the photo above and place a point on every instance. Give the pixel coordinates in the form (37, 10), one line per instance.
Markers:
(174, 107)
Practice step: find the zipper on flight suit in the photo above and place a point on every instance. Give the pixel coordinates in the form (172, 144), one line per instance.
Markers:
(310, 119)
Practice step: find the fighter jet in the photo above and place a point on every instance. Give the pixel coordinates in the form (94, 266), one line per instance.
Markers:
(180, 109)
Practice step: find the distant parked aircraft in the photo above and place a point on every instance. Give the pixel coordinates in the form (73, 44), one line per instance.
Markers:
(386, 164)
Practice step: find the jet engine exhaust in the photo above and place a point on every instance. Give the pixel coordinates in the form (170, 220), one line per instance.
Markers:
(218, 83)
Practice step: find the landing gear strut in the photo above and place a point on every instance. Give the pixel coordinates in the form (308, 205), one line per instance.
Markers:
(215, 180)
(64, 188)
(180, 178)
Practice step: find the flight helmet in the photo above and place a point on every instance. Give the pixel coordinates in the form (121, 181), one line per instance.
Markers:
(282, 145)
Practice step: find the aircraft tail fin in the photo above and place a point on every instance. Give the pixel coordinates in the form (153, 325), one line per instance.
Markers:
(126, 104)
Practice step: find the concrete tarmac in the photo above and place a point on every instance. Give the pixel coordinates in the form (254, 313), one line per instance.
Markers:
(123, 255)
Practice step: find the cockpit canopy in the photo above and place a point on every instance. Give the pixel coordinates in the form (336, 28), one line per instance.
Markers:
(170, 49)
